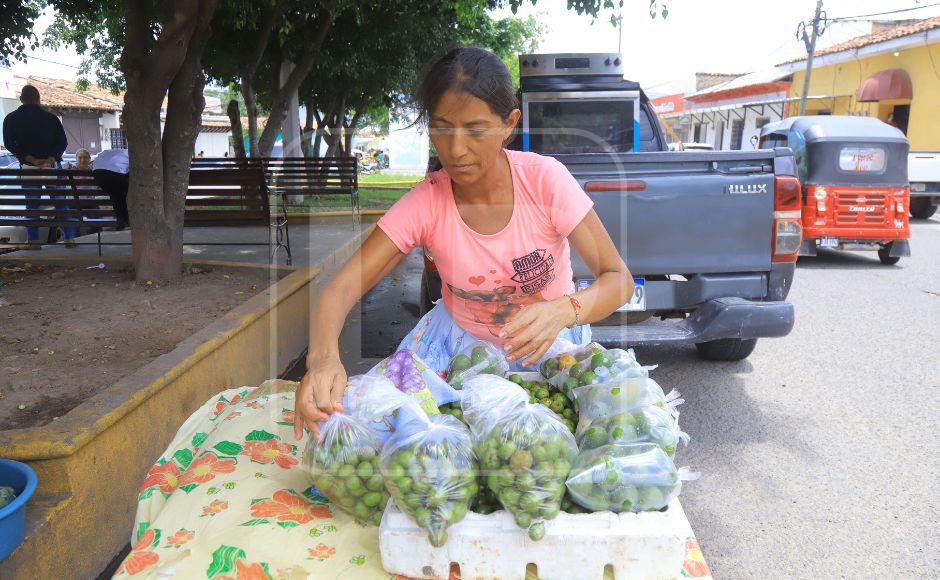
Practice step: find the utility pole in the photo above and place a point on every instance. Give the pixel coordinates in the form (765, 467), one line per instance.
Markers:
(809, 40)
(620, 31)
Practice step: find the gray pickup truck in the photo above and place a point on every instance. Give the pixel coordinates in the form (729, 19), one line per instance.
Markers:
(710, 236)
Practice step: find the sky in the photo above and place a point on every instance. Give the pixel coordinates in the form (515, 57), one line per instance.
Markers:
(725, 36)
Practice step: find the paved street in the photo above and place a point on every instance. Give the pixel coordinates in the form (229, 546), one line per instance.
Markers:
(818, 454)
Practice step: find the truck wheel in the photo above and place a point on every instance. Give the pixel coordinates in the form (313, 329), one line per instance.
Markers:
(884, 254)
(921, 208)
(726, 349)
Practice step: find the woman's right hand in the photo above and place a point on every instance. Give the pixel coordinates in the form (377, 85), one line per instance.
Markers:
(320, 394)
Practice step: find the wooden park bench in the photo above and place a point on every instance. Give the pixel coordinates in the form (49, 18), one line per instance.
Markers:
(301, 176)
(218, 196)
(54, 198)
(230, 195)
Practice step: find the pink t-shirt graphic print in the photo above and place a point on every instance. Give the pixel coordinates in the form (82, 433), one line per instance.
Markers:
(487, 278)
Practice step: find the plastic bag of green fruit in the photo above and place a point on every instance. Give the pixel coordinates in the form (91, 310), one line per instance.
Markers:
(544, 393)
(474, 359)
(612, 397)
(626, 478)
(344, 463)
(526, 458)
(431, 472)
(643, 424)
(590, 365)
(485, 399)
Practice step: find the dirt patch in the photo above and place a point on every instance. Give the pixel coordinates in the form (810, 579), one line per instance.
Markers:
(67, 332)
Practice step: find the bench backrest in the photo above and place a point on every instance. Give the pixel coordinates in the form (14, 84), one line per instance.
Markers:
(298, 175)
(221, 196)
(28, 197)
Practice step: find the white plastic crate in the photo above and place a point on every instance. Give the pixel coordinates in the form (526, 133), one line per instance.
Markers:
(575, 546)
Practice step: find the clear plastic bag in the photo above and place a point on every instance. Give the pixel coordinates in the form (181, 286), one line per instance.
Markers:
(475, 359)
(589, 365)
(642, 424)
(487, 398)
(610, 398)
(622, 477)
(345, 462)
(415, 378)
(430, 470)
(547, 394)
(526, 458)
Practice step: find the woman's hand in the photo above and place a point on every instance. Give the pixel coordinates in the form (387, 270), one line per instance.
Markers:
(319, 394)
(534, 328)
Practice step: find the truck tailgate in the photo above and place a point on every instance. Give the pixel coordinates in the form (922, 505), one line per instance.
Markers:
(679, 213)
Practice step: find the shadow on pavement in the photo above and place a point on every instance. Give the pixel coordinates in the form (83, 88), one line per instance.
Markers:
(846, 260)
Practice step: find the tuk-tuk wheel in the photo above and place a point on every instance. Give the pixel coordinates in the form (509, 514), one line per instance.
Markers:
(884, 254)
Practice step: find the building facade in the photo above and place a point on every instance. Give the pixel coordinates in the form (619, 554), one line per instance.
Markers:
(728, 114)
(92, 117)
(892, 74)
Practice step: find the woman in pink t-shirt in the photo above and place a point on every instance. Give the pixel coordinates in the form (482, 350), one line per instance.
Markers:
(498, 224)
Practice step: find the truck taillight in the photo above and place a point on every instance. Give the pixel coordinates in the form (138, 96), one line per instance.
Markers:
(786, 193)
(788, 233)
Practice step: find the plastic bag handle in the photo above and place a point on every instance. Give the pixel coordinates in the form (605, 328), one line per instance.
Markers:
(686, 474)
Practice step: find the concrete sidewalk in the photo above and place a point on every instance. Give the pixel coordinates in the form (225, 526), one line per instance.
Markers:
(311, 242)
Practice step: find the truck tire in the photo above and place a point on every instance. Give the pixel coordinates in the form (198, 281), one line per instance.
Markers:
(921, 208)
(884, 254)
(726, 349)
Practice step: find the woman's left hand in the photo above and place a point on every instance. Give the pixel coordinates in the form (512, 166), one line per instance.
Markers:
(532, 330)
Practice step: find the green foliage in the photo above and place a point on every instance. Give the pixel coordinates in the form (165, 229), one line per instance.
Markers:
(16, 27)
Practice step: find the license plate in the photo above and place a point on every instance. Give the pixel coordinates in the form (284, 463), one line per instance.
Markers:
(637, 302)
(828, 242)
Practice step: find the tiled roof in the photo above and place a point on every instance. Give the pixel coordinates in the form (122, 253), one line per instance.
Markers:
(869, 39)
(63, 94)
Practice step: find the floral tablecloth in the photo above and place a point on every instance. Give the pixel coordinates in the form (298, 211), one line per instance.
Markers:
(229, 499)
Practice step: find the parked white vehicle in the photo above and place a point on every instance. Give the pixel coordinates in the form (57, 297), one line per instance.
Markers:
(923, 173)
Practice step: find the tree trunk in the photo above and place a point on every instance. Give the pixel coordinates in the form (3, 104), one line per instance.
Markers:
(234, 118)
(334, 135)
(251, 108)
(306, 132)
(268, 22)
(159, 168)
(318, 135)
(349, 132)
(280, 99)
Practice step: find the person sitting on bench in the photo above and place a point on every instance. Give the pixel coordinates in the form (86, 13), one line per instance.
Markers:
(110, 171)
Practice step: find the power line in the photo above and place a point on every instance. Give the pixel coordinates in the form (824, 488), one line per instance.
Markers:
(33, 57)
(886, 13)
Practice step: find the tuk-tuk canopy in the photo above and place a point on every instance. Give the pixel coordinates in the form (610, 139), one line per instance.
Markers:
(846, 128)
(842, 150)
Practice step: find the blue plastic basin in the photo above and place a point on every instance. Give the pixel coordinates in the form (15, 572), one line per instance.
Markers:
(22, 479)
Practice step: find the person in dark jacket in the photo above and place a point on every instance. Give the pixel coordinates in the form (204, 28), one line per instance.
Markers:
(110, 171)
(38, 139)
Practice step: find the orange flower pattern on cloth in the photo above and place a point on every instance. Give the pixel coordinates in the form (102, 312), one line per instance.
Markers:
(205, 469)
(321, 552)
(214, 508)
(141, 557)
(253, 571)
(287, 506)
(694, 565)
(180, 538)
(271, 451)
(167, 476)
